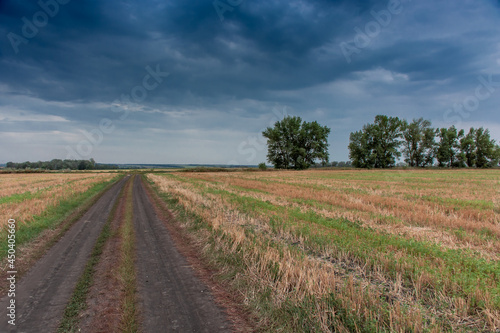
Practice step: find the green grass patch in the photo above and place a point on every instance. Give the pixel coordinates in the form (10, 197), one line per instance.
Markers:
(19, 197)
(129, 321)
(455, 203)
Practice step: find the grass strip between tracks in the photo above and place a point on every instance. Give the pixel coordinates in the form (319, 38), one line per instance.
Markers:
(77, 302)
(126, 270)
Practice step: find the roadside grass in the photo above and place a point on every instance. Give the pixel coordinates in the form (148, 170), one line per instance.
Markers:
(129, 322)
(77, 302)
(302, 271)
(72, 208)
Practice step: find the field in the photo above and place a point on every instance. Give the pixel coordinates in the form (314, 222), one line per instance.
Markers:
(291, 251)
(350, 251)
(23, 196)
(38, 201)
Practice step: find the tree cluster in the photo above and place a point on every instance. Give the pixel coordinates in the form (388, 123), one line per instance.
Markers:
(296, 144)
(380, 144)
(57, 164)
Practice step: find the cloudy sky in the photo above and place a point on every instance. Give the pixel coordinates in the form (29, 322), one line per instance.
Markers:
(168, 81)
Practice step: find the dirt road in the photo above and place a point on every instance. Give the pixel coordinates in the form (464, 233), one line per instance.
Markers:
(42, 294)
(170, 297)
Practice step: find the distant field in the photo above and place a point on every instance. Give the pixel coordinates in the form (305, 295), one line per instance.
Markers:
(351, 250)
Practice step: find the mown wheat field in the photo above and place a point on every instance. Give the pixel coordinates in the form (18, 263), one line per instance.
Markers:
(41, 202)
(24, 195)
(351, 250)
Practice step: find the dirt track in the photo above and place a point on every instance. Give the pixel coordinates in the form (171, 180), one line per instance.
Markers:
(171, 298)
(42, 294)
(170, 295)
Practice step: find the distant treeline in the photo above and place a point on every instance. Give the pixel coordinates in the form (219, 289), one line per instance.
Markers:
(334, 164)
(380, 144)
(57, 164)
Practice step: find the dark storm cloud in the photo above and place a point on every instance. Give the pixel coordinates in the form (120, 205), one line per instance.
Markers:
(92, 50)
(230, 74)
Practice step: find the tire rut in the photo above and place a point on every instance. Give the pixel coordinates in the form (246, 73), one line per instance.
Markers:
(171, 298)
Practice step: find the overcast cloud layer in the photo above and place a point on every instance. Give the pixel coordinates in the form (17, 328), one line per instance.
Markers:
(197, 81)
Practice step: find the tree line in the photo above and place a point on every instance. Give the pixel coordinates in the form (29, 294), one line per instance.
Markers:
(57, 164)
(381, 143)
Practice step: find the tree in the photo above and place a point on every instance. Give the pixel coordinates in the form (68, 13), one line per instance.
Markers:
(262, 166)
(85, 165)
(447, 152)
(495, 162)
(486, 149)
(296, 144)
(376, 146)
(468, 149)
(386, 140)
(418, 143)
(360, 147)
(56, 164)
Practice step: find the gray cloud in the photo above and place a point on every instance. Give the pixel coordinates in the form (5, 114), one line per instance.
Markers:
(226, 78)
